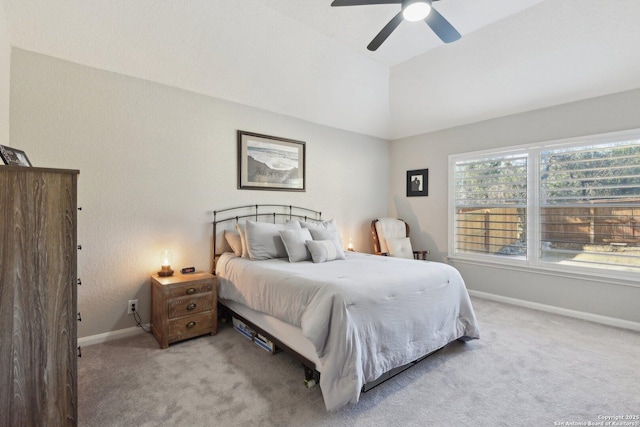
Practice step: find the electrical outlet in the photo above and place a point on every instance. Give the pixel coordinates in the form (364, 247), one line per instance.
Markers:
(133, 303)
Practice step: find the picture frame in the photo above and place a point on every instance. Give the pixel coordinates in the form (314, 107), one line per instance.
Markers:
(418, 183)
(268, 162)
(14, 157)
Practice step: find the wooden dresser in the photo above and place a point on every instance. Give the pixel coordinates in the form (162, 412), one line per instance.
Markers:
(183, 306)
(38, 323)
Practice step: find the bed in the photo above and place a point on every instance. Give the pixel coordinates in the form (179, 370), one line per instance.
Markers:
(354, 319)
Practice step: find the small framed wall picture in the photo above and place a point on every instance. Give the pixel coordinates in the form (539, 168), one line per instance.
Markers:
(418, 183)
(14, 157)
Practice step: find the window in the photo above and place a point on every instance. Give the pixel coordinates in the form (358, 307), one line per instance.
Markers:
(491, 205)
(563, 205)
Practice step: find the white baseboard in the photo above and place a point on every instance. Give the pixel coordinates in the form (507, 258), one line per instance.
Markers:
(610, 321)
(110, 336)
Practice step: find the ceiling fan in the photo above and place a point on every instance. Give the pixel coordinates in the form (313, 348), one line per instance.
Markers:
(412, 10)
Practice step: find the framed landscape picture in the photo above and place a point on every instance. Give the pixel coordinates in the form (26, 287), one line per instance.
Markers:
(270, 163)
(418, 183)
(13, 156)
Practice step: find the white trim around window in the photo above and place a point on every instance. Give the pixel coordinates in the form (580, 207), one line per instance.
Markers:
(581, 216)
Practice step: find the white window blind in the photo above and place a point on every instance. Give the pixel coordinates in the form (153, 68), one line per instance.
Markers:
(491, 206)
(570, 206)
(590, 205)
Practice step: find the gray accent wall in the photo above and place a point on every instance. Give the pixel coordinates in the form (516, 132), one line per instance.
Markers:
(155, 161)
(428, 216)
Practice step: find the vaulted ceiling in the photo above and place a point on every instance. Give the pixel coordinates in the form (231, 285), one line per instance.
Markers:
(306, 59)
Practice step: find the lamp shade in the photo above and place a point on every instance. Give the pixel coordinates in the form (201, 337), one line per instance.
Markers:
(166, 257)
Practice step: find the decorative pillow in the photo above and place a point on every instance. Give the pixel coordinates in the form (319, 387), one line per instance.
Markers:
(324, 250)
(234, 241)
(264, 241)
(322, 234)
(243, 239)
(325, 225)
(400, 247)
(294, 243)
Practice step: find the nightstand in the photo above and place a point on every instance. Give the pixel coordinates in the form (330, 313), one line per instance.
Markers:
(183, 306)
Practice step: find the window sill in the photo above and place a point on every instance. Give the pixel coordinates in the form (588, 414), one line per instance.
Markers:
(614, 277)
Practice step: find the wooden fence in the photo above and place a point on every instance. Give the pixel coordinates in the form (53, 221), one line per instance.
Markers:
(490, 230)
(593, 225)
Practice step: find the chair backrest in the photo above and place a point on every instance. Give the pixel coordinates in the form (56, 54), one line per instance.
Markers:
(387, 228)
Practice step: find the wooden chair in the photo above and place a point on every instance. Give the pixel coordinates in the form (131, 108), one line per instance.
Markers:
(391, 238)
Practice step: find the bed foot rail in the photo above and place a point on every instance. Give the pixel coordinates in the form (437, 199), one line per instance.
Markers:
(393, 372)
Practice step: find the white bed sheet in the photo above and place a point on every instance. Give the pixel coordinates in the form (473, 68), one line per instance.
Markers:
(364, 315)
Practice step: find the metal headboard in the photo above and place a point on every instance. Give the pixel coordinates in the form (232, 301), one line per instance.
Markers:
(264, 212)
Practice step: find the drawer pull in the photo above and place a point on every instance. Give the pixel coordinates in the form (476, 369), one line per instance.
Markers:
(191, 324)
(191, 291)
(191, 306)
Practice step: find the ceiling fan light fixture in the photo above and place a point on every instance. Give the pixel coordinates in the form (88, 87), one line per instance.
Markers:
(416, 11)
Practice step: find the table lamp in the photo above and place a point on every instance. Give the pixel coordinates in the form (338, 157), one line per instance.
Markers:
(166, 270)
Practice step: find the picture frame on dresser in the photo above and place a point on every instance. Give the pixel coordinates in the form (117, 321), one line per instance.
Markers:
(14, 157)
(268, 162)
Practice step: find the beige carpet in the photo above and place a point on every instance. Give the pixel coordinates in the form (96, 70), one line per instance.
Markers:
(528, 369)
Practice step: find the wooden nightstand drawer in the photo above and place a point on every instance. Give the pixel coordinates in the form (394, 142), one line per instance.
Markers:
(179, 307)
(192, 326)
(192, 288)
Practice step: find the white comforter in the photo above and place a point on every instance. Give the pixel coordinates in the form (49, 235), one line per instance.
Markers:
(364, 315)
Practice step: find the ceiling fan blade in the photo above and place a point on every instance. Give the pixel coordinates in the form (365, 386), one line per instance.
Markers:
(363, 2)
(385, 32)
(441, 27)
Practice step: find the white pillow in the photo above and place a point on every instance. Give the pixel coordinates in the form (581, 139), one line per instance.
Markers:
(234, 241)
(325, 225)
(324, 250)
(243, 239)
(322, 234)
(264, 241)
(294, 243)
(400, 247)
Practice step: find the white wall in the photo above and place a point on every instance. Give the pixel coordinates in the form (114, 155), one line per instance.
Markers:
(5, 71)
(253, 55)
(428, 215)
(155, 161)
(516, 65)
